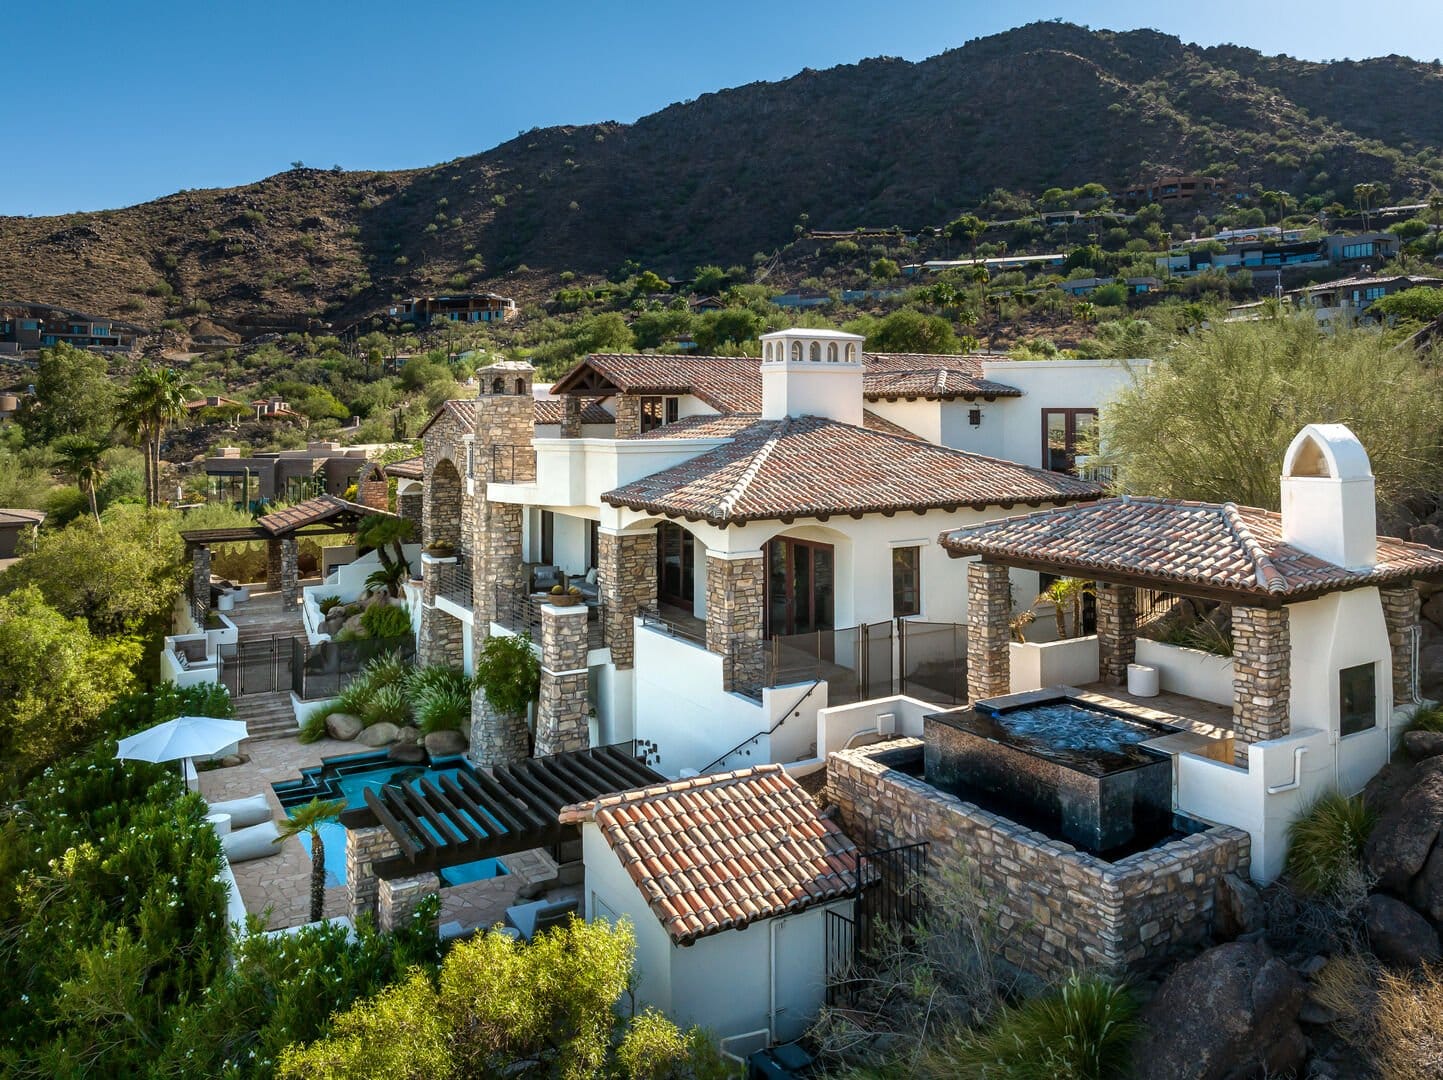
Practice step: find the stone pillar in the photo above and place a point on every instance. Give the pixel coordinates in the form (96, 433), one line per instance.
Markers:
(571, 417)
(398, 898)
(989, 610)
(290, 571)
(734, 594)
(364, 847)
(408, 506)
(200, 576)
(1400, 612)
(439, 641)
(626, 576)
(1262, 658)
(273, 565)
(496, 738)
(1116, 631)
(374, 491)
(628, 415)
(561, 708)
(497, 564)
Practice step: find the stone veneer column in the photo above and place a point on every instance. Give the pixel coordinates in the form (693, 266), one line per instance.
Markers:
(628, 415)
(1262, 657)
(439, 640)
(290, 571)
(497, 565)
(409, 506)
(374, 493)
(626, 577)
(364, 847)
(496, 738)
(398, 898)
(1400, 612)
(200, 576)
(273, 565)
(989, 609)
(570, 417)
(1116, 631)
(734, 590)
(561, 708)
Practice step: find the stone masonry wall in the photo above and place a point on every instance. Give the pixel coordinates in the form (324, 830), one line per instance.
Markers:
(363, 847)
(1116, 631)
(290, 571)
(496, 738)
(505, 428)
(200, 576)
(561, 708)
(989, 607)
(374, 492)
(628, 415)
(273, 565)
(1262, 657)
(409, 506)
(1400, 612)
(571, 416)
(734, 597)
(398, 898)
(439, 641)
(626, 576)
(1060, 908)
(499, 560)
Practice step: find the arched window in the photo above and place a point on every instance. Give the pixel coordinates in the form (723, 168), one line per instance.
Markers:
(497, 386)
(520, 387)
(767, 351)
(796, 350)
(851, 351)
(832, 353)
(816, 351)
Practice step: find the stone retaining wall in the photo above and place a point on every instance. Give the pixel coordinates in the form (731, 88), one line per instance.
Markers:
(1062, 908)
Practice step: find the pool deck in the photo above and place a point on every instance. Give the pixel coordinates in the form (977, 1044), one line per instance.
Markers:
(1207, 728)
(278, 887)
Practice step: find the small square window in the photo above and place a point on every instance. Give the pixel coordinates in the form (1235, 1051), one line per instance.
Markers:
(1357, 698)
(906, 581)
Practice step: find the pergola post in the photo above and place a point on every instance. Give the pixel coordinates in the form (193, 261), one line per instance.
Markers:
(561, 707)
(1116, 630)
(273, 564)
(1262, 683)
(1400, 613)
(989, 609)
(397, 899)
(364, 847)
(290, 571)
(626, 576)
(200, 578)
(735, 587)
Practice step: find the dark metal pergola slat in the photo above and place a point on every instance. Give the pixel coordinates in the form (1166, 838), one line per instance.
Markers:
(445, 821)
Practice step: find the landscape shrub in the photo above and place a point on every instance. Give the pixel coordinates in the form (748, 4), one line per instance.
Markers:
(1325, 844)
(386, 620)
(441, 699)
(1408, 1037)
(1428, 718)
(508, 673)
(387, 705)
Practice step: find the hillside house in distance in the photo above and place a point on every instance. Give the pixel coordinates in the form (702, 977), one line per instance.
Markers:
(17, 532)
(31, 327)
(1172, 189)
(750, 539)
(455, 308)
(1345, 302)
(288, 476)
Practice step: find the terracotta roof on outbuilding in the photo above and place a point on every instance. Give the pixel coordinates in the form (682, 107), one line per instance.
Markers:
(720, 852)
(312, 512)
(1220, 547)
(11, 516)
(410, 469)
(547, 411)
(801, 467)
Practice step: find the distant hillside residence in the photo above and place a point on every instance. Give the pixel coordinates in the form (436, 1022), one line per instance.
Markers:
(1172, 188)
(288, 476)
(457, 307)
(1088, 286)
(38, 326)
(1246, 252)
(750, 539)
(275, 408)
(17, 531)
(1345, 302)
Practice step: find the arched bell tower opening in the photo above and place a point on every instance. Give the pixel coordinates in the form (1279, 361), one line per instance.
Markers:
(812, 372)
(1328, 499)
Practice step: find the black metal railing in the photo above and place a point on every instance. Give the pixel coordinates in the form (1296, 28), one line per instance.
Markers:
(520, 612)
(932, 661)
(890, 900)
(453, 581)
(323, 670)
(653, 621)
(744, 747)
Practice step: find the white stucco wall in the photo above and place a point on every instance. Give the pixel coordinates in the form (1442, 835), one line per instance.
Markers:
(611, 895)
(1191, 672)
(1034, 665)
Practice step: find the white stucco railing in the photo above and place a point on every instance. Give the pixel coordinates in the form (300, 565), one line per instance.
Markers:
(1190, 672)
(1069, 662)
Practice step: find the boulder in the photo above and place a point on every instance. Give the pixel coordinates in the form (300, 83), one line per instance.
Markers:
(444, 743)
(408, 753)
(1228, 1013)
(1423, 744)
(1407, 827)
(382, 734)
(343, 726)
(1432, 609)
(1239, 909)
(1425, 892)
(1398, 934)
(353, 624)
(408, 733)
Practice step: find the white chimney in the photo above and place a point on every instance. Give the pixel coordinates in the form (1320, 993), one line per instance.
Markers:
(812, 373)
(1329, 507)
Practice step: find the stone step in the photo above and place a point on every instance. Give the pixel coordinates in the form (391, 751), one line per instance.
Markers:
(266, 715)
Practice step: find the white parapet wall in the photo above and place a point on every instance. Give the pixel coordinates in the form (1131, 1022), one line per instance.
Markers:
(1191, 672)
(1035, 665)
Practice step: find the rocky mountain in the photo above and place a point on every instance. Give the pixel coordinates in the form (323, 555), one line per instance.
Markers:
(877, 143)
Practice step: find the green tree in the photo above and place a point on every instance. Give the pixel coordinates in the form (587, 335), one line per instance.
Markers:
(1084, 311)
(906, 330)
(73, 396)
(649, 281)
(80, 457)
(885, 269)
(307, 820)
(1419, 304)
(710, 280)
(155, 399)
(1212, 419)
(1435, 214)
(970, 227)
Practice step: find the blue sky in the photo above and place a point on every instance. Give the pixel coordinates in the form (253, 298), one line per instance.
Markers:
(125, 100)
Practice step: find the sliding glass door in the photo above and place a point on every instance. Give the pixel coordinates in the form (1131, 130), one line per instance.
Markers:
(801, 587)
(675, 565)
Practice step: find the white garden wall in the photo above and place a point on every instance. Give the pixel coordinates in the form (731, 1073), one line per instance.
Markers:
(1071, 662)
(1190, 672)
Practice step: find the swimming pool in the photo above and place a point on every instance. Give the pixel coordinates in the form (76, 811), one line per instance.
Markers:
(349, 778)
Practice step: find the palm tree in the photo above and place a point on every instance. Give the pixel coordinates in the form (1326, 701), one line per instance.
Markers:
(1435, 207)
(80, 458)
(379, 530)
(1064, 594)
(1084, 311)
(156, 397)
(308, 819)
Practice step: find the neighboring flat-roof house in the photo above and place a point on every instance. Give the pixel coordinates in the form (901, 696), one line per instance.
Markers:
(17, 531)
(289, 476)
(751, 538)
(455, 308)
(1345, 302)
(38, 326)
(727, 881)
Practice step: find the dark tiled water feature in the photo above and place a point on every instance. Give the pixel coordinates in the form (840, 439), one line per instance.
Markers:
(1069, 768)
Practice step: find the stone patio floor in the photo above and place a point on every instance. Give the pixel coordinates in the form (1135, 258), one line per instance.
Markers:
(278, 887)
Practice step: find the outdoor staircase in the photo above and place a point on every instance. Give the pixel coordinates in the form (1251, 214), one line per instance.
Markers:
(266, 716)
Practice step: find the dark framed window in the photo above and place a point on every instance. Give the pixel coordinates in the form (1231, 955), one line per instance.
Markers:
(675, 565)
(800, 586)
(593, 544)
(657, 411)
(906, 581)
(1357, 698)
(1065, 434)
(548, 538)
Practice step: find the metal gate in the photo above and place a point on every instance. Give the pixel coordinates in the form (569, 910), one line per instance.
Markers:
(890, 895)
(259, 666)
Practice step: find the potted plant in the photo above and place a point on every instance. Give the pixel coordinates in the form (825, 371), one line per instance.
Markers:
(564, 597)
(441, 549)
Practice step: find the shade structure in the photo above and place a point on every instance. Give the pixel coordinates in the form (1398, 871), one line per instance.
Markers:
(183, 737)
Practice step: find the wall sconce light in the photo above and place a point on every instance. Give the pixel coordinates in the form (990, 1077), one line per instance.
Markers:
(974, 417)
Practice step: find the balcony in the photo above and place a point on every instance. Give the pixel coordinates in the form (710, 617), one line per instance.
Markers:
(520, 612)
(454, 582)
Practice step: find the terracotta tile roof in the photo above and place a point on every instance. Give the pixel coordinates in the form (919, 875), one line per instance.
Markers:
(807, 466)
(726, 425)
(548, 411)
(410, 469)
(312, 512)
(934, 377)
(1235, 549)
(720, 852)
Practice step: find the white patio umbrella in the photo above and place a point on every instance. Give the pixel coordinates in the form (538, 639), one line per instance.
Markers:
(185, 737)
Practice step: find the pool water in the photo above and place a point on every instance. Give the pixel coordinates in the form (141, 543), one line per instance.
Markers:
(1061, 729)
(349, 778)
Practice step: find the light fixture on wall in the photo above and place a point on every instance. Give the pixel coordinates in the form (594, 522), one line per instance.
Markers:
(974, 417)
